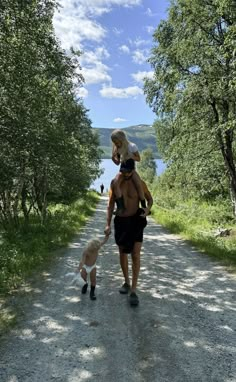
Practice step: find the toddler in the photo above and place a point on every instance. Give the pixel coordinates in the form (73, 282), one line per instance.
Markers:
(87, 265)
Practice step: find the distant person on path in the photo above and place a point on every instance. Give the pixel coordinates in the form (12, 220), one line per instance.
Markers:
(129, 227)
(124, 151)
(87, 265)
(102, 188)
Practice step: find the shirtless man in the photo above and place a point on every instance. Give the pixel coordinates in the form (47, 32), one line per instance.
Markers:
(129, 228)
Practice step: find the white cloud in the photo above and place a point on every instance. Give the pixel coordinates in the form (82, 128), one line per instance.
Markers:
(150, 29)
(140, 56)
(117, 31)
(72, 29)
(96, 75)
(74, 21)
(99, 6)
(93, 70)
(149, 12)
(124, 49)
(138, 42)
(93, 57)
(82, 92)
(140, 76)
(130, 92)
(118, 120)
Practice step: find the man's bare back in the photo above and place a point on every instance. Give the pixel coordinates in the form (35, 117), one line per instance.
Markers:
(131, 197)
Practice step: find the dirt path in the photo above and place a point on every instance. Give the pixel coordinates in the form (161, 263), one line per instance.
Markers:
(184, 329)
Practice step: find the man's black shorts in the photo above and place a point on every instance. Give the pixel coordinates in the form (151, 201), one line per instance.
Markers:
(129, 230)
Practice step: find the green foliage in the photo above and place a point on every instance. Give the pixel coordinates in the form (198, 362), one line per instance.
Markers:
(193, 94)
(195, 219)
(147, 166)
(47, 147)
(24, 249)
(195, 227)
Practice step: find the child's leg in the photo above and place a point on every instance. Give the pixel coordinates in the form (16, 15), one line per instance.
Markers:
(93, 283)
(84, 276)
(138, 184)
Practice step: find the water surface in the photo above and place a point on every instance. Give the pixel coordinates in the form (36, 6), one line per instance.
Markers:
(110, 170)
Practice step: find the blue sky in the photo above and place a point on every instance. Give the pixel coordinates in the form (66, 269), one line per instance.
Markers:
(115, 37)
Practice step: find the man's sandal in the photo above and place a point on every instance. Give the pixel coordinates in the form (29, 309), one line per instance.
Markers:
(124, 289)
(133, 299)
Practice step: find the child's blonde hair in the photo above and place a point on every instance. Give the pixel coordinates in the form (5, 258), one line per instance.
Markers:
(93, 244)
(120, 136)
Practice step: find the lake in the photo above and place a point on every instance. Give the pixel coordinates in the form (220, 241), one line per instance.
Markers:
(110, 170)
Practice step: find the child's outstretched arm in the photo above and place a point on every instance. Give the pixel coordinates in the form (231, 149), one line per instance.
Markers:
(104, 240)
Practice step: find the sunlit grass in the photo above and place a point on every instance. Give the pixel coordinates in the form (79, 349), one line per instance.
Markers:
(197, 223)
(25, 249)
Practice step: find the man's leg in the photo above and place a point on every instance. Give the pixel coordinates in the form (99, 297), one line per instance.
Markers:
(135, 272)
(125, 269)
(135, 265)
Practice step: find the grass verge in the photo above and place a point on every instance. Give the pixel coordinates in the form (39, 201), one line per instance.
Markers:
(30, 247)
(197, 224)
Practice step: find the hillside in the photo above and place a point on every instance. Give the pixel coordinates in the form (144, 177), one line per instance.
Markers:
(143, 135)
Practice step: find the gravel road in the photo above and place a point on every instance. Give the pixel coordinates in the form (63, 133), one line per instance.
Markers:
(184, 329)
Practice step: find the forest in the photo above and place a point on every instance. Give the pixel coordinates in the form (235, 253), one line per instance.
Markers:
(49, 154)
(193, 95)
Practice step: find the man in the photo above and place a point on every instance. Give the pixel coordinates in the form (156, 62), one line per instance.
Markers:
(129, 227)
(102, 188)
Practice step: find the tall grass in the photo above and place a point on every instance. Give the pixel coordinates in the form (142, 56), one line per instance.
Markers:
(25, 249)
(197, 222)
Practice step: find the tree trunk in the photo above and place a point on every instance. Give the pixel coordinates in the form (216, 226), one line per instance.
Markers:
(23, 203)
(233, 198)
(225, 140)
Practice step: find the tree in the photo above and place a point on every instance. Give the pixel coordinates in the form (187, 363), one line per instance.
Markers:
(147, 166)
(46, 143)
(194, 85)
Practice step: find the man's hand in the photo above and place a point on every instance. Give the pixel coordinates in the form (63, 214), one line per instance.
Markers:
(145, 212)
(107, 230)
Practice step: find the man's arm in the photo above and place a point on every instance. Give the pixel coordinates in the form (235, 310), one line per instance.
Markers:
(110, 209)
(148, 198)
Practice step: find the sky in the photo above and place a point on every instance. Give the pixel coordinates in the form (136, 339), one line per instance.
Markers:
(115, 38)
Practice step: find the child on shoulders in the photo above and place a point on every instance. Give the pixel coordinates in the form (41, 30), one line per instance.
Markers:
(123, 150)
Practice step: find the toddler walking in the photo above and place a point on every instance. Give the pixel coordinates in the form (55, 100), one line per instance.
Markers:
(123, 151)
(87, 265)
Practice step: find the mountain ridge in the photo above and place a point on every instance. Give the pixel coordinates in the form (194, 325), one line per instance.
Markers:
(142, 135)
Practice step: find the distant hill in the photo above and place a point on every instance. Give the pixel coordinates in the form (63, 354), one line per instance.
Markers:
(143, 135)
